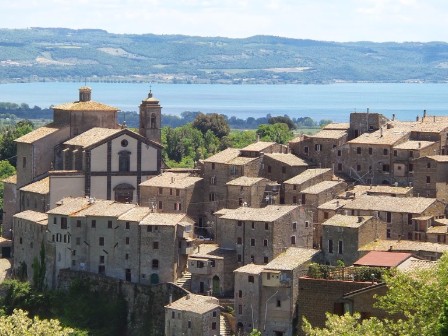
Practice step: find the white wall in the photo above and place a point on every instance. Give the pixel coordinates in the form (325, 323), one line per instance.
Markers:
(65, 186)
(98, 159)
(98, 187)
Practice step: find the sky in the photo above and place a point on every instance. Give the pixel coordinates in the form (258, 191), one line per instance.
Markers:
(325, 20)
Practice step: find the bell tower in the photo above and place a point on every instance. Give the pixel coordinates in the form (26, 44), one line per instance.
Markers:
(150, 118)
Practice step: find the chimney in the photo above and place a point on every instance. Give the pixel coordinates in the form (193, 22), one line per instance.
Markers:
(337, 203)
(360, 219)
(85, 94)
(381, 132)
(419, 145)
(424, 114)
(417, 118)
(187, 297)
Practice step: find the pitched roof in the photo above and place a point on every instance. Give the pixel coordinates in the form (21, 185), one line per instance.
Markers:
(292, 258)
(85, 106)
(154, 218)
(38, 134)
(39, 187)
(384, 137)
(69, 206)
(211, 251)
(195, 303)
(269, 213)
(106, 208)
(92, 136)
(224, 156)
(34, 216)
(258, 146)
(245, 181)
(241, 160)
(404, 245)
(413, 144)
(328, 134)
(321, 186)
(334, 204)
(307, 175)
(337, 126)
(135, 214)
(250, 268)
(415, 205)
(382, 259)
(289, 159)
(172, 180)
(347, 221)
(11, 179)
(439, 229)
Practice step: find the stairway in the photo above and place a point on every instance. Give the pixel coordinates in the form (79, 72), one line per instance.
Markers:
(224, 326)
(185, 281)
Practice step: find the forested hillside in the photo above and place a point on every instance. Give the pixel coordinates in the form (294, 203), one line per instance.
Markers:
(65, 54)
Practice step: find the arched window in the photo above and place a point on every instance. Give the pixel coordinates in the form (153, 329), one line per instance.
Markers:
(153, 122)
(124, 193)
(124, 161)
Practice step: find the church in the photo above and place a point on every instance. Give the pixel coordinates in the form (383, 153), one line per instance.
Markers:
(84, 152)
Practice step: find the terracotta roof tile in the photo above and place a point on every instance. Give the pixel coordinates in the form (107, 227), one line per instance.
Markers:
(269, 213)
(172, 180)
(85, 106)
(34, 216)
(289, 159)
(322, 186)
(224, 156)
(245, 181)
(11, 179)
(250, 269)
(307, 175)
(328, 134)
(155, 218)
(258, 146)
(382, 259)
(91, 137)
(404, 245)
(135, 214)
(38, 134)
(292, 258)
(337, 126)
(347, 221)
(195, 303)
(413, 145)
(39, 187)
(385, 137)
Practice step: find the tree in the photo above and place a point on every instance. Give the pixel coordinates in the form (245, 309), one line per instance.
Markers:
(285, 119)
(217, 123)
(6, 169)
(279, 133)
(8, 148)
(19, 324)
(419, 297)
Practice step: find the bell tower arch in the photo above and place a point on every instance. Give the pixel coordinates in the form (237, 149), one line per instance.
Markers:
(150, 118)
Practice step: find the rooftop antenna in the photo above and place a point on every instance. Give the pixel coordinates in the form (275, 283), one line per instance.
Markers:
(85, 81)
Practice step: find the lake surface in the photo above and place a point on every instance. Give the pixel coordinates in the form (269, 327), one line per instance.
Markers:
(334, 101)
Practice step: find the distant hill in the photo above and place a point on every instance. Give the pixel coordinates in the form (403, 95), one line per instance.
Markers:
(65, 54)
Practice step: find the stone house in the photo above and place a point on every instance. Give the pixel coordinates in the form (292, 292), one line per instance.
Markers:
(263, 147)
(260, 234)
(280, 167)
(365, 122)
(343, 235)
(308, 178)
(173, 193)
(437, 233)
(397, 212)
(36, 196)
(431, 177)
(193, 315)
(320, 148)
(248, 191)
(29, 235)
(211, 269)
(266, 296)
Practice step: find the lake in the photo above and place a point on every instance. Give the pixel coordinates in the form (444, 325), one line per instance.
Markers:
(333, 101)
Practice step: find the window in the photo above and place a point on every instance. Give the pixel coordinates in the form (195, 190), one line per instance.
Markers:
(279, 303)
(253, 225)
(265, 242)
(385, 151)
(211, 197)
(303, 199)
(307, 224)
(240, 223)
(240, 293)
(409, 219)
(326, 215)
(339, 152)
(178, 206)
(252, 242)
(389, 217)
(63, 223)
(212, 263)
(269, 169)
(340, 247)
(93, 223)
(213, 325)
(358, 150)
(128, 225)
(411, 154)
(386, 168)
(239, 240)
(24, 162)
(370, 150)
(127, 240)
(155, 245)
(149, 228)
(55, 220)
(124, 161)
(358, 167)
(214, 313)
(339, 166)
(177, 192)
(213, 165)
(411, 167)
(189, 324)
(294, 226)
(160, 191)
(395, 153)
(428, 165)
(155, 264)
(251, 279)
(293, 240)
(330, 246)
(160, 205)
(388, 233)
(109, 224)
(317, 147)
(305, 150)
(428, 179)
(102, 259)
(126, 256)
(124, 143)
(153, 121)
(171, 191)
(265, 260)
(101, 241)
(252, 259)
(239, 258)
(240, 309)
(266, 226)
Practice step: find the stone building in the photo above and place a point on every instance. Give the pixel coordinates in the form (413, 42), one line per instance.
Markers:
(211, 269)
(193, 315)
(308, 178)
(280, 167)
(320, 148)
(120, 240)
(431, 177)
(266, 296)
(397, 212)
(343, 235)
(260, 234)
(438, 231)
(248, 191)
(173, 193)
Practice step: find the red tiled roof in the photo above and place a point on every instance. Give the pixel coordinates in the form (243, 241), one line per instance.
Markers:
(382, 259)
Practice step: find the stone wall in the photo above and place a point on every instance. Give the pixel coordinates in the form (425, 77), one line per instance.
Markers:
(146, 304)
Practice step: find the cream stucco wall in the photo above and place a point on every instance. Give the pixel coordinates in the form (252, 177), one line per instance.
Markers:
(98, 158)
(117, 147)
(65, 186)
(98, 187)
(149, 158)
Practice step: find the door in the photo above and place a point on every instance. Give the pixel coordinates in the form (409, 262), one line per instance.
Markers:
(216, 287)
